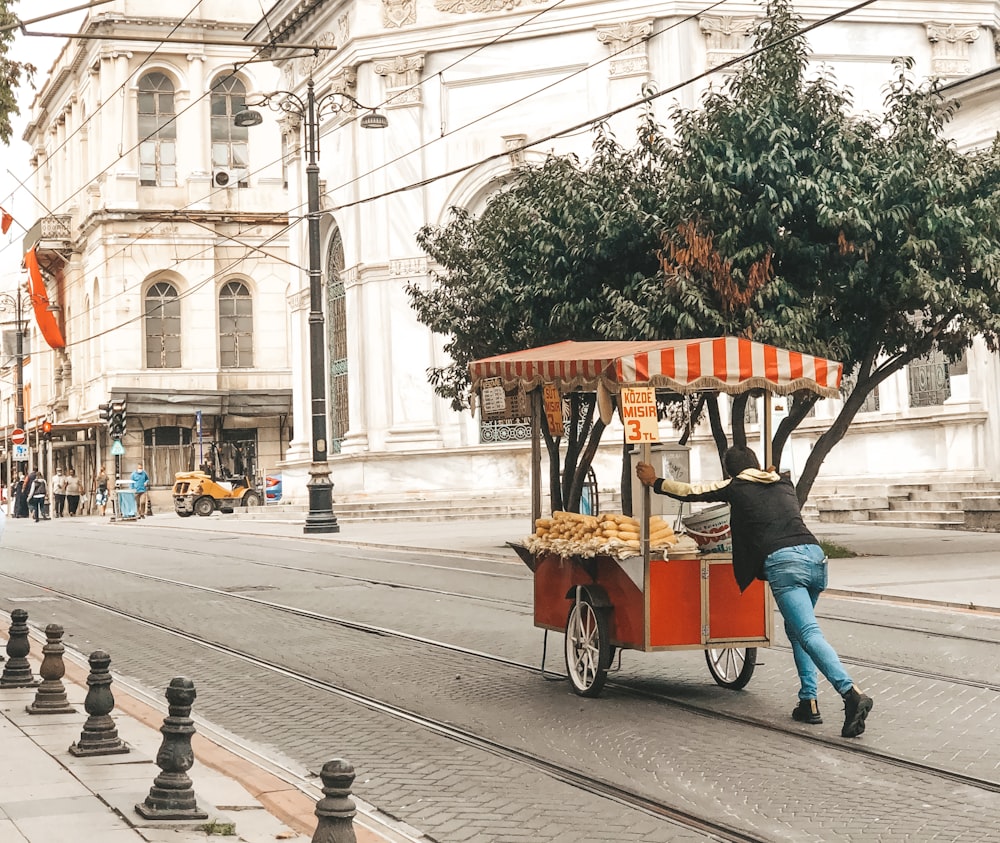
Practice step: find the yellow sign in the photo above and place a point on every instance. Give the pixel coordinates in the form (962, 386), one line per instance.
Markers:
(638, 411)
(553, 409)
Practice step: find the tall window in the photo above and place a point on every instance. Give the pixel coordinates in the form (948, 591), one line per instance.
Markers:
(336, 310)
(929, 380)
(157, 131)
(229, 141)
(163, 327)
(235, 326)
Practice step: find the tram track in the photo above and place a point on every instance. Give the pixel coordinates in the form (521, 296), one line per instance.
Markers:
(527, 607)
(631, 687)
(593, 785)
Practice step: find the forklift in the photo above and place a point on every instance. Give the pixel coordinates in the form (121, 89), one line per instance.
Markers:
(218, 485)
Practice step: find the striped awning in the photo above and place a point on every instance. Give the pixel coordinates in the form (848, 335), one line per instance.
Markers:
(727, 364)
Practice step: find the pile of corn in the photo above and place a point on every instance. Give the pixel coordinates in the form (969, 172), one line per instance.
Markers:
(573, 534)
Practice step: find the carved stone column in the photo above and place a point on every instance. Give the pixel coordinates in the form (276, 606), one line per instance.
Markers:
(627, 42)
(950, 48)
(726, 37)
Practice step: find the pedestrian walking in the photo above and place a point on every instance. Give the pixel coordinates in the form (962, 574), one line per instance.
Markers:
(771, 542)
(73, 491)
(37, 492)
(59, 493)
(140, 484)
(100, 490)
(21, 496)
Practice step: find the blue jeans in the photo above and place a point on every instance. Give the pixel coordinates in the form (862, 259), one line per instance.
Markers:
(797, 576)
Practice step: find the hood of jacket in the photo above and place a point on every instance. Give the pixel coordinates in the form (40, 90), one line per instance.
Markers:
(757, 475)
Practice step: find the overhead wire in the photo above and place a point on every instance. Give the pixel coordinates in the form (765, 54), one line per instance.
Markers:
(561, 133)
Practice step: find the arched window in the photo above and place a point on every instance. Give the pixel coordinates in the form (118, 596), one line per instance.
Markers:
(235, 326)
(157, 131)
(163, 327)
(336, 310)
(229, 141)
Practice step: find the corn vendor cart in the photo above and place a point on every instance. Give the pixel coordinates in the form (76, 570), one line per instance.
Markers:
(632, 597)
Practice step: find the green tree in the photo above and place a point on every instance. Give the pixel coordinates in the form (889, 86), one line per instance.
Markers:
(536, 267)
(11, 72)
(791, 220)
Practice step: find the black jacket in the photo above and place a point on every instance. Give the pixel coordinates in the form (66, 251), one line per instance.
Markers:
(765, 516)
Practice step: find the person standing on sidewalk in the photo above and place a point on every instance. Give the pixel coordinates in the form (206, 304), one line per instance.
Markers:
(73, 491)
(771, 542)
(58, 494)
(100, 490)
(140, 483)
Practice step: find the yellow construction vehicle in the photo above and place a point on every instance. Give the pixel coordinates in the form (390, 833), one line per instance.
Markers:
(213, 488)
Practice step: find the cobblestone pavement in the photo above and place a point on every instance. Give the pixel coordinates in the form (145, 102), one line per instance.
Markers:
(777, 786)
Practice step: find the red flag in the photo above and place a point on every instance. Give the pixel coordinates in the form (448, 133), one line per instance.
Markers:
(5, 220)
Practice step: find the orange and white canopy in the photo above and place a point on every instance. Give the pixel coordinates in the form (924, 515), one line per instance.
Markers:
(727, 364)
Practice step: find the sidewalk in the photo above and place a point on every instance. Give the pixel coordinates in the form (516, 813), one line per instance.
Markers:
(49, 796)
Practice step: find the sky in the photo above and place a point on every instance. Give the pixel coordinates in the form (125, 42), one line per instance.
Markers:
(41, 52)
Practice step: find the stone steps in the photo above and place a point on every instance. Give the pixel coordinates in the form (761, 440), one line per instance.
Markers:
(929, 505)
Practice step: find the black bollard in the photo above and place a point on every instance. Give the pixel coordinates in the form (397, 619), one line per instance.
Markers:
(17, 671)
(336, 809)
(171, 797)
(99, 735)
(50, 698)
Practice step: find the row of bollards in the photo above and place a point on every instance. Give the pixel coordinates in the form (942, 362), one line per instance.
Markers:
(171, 796)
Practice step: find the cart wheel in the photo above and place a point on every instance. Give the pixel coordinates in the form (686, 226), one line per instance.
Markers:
(204, 506)
(732, 667)
(588, 651)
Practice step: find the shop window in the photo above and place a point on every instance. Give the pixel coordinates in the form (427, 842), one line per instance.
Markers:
(166, 451)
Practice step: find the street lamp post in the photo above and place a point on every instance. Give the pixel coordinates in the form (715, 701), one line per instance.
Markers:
(17, 304)
(321, 518)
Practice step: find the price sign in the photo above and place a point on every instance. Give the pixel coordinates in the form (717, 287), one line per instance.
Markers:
(494, 398)
(638, 411)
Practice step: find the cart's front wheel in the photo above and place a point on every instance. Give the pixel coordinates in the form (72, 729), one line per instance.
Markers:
(588, 650)
(732, 667)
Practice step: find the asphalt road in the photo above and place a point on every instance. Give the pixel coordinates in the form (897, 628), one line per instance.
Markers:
(927, 768)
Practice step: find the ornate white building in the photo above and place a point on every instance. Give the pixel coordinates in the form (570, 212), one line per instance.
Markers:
(474, 87)
(162, 257)
(154, 265)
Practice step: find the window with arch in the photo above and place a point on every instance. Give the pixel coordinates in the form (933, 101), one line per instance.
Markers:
(336, 309)
(157, 131)
(163, 326)
(229, 141)
(235, 326)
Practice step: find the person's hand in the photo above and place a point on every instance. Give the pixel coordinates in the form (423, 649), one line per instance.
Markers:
(644, 471)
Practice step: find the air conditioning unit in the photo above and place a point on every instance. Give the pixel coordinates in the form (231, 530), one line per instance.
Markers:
(226, 177)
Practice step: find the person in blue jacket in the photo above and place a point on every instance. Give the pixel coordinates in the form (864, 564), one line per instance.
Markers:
(771, 542)
(140, 483)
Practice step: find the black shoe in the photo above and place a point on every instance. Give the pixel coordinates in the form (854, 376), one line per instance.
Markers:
(807, 711)
(856, 708)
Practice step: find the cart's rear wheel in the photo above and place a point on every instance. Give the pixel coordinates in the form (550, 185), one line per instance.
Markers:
(588, 650)
(732, 667)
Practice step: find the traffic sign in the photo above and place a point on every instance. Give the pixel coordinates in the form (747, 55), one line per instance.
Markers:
(117, 449)
(20, 452)
(18, 436)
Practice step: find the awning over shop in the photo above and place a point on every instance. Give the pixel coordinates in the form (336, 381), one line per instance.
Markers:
(249, 402)
(727, 364)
